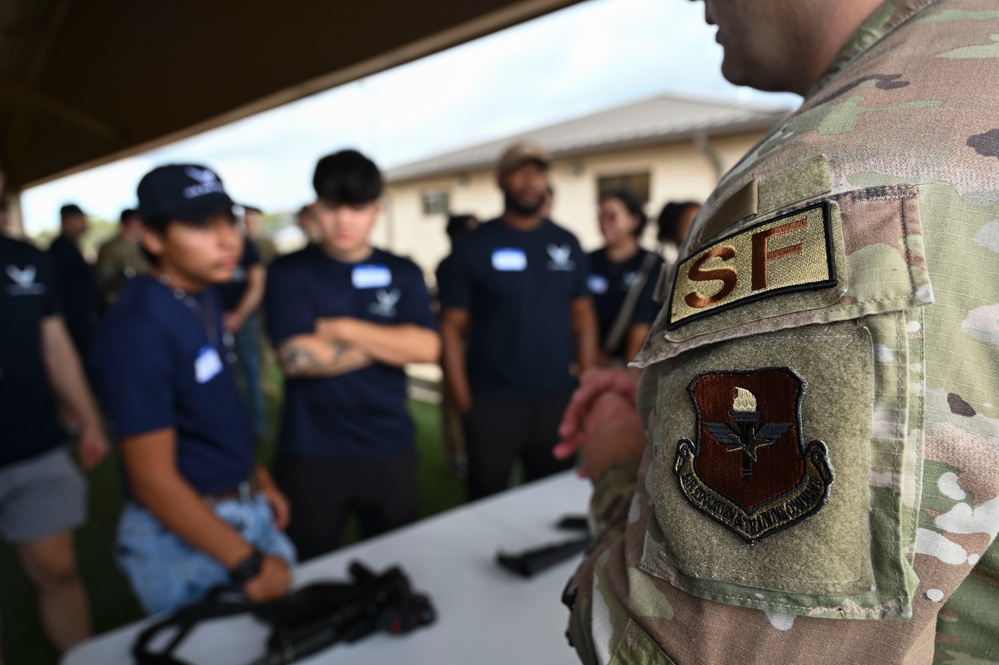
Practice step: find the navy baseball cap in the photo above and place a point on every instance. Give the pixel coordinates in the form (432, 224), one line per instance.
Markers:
(185, 192)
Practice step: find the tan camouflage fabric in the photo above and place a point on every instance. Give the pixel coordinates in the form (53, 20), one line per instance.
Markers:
(892, 326)
(117, 260)
(267, 249)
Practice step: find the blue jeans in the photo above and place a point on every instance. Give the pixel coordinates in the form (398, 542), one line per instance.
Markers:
(166, 573)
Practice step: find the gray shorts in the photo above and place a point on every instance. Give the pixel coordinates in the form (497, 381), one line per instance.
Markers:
(41, 497)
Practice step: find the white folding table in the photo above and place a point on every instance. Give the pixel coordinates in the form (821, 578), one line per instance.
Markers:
(485, 613)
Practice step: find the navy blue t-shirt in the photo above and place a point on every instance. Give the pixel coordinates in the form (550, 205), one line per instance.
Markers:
(159, 362)
(79, 293)
(518, 287)
(28, 422)
(360, 414)
(609, 283)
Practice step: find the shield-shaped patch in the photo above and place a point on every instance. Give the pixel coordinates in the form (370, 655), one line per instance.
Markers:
(749, 468)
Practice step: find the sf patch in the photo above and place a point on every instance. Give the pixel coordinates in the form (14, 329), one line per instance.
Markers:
(749, 468)
(791, 252)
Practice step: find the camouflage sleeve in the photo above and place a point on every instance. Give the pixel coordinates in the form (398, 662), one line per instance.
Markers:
(612, 497)
(107, 265)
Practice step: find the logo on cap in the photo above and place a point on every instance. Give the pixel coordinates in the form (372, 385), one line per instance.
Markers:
(749, 468)
(208, 183)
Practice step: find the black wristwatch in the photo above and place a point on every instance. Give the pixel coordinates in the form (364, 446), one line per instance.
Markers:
(247, 569)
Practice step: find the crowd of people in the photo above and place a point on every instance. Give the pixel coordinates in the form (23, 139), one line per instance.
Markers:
(167, 333)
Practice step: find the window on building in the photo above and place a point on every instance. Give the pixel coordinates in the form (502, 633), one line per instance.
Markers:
(637, 183)
(436, 202)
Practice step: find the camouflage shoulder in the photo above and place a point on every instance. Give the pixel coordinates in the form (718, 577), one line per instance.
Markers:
(889, 15)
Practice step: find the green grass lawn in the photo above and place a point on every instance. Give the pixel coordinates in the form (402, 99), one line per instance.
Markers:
(111, 600)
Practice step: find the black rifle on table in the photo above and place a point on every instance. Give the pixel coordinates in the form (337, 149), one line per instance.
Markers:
(347, 613)
(308, 620)
(535, 560)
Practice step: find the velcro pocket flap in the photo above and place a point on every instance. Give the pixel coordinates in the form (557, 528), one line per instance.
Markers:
(786, 466)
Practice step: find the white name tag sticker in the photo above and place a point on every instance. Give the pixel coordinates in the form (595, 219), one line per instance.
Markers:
(509, 260)
(208, 365)
(597, 284)
(371, 277)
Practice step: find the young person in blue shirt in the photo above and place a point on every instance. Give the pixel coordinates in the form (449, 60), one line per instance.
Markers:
(518, 325)
(43, 496)
(618, 268)
(200, 511)
(346, 318)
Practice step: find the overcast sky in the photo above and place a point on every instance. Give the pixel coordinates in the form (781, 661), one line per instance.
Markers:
(591, 56)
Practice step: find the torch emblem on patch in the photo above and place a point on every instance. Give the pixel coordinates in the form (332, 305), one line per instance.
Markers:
(746, 436)
(749, 468)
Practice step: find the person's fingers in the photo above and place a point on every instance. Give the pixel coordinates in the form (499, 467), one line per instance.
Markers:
(608, 380)
(624, 383)
(282, 514)
(571, 420)
(579, 405)
(92, 450)
(567, 447)
(594, 383)
(280, 508)
(272, 582)
(86, 456)
(614, 434)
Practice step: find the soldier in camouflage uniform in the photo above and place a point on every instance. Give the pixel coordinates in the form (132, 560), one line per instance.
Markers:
(820, 389)
(120, 258)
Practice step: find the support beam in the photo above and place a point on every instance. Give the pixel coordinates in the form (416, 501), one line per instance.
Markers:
(703, 143)
(29, 96)
(56, 18)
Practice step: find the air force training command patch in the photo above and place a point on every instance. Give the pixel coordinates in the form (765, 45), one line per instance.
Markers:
(748, 467)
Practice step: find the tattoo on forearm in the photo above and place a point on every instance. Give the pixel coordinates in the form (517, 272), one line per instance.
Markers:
(340, 349)
(300, 359)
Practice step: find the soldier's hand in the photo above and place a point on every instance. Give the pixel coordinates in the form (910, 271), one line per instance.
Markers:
(593, 384)
(272, 582)
(612, 433)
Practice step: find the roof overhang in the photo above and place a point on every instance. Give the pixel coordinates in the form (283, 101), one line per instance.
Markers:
(86, 82)
(654, 121)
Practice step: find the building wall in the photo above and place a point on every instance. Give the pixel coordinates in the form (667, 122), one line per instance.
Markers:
(677, 171)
